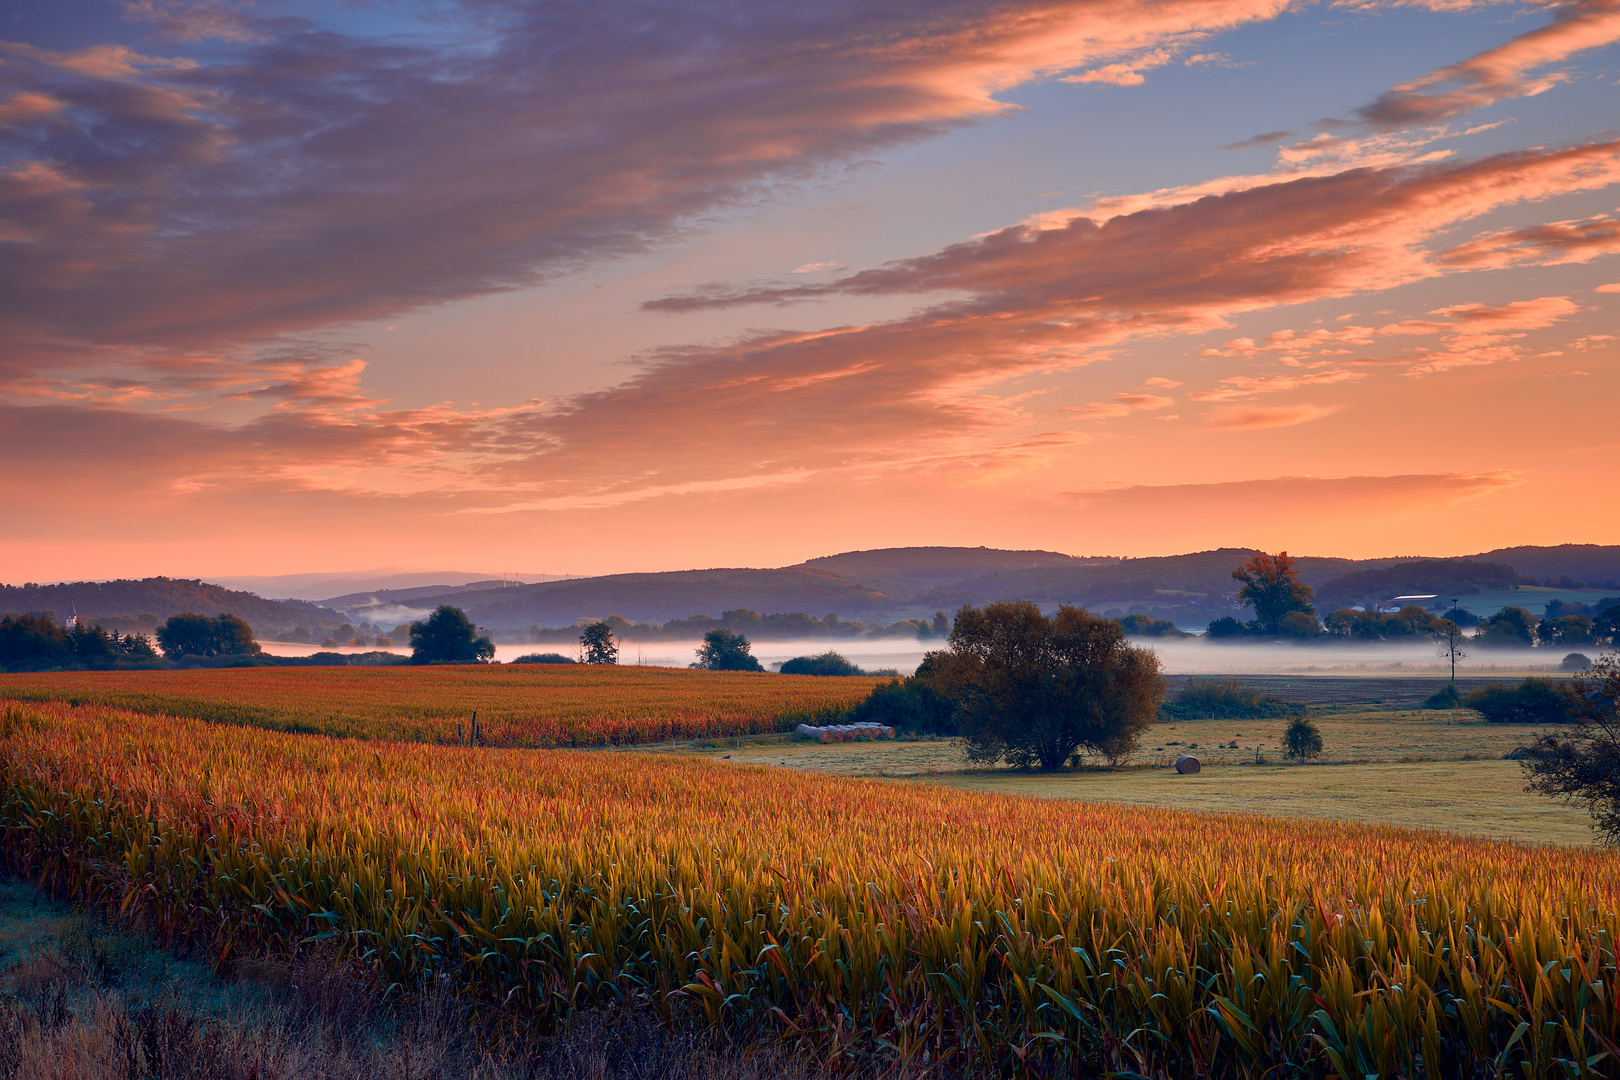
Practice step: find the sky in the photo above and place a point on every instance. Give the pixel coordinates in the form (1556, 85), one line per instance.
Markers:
(586, 288)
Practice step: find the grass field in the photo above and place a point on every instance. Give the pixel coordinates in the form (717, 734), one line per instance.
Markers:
(1533, 598)
(857, 920)
(1439, 770)
(536, 705)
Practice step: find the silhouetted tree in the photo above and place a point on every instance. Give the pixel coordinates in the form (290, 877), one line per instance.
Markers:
(1512, 627)
(1302, 740)
(1033, 690)
(1270, 585)
(726, 650)
(599, 645)
(448, 637)
(1449, 638)
(190, 634)
(827, 663)
(1584, 767)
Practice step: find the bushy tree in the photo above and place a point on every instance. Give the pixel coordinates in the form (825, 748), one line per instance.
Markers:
(543, 658)
(1140, 625)
(1034, 690)
(827, 663)
(1584, 767)
(448, 637)
(726, 650)
(1225, 699)
(1302, 740)
(1273, 589)
(190, 634)
(1533, 701)
(598, 642)
(915, 704)
(1512, 627)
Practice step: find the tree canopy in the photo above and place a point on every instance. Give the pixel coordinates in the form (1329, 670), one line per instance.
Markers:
(1272, 588)
(1034, 690)
(448, 637)
(190, 634)
(599, 644)
(726, 650)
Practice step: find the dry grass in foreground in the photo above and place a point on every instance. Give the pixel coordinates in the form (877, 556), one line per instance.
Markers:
(84, 1000)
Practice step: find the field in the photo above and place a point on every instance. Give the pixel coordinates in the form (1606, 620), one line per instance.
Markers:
(1441, 770)
(537, 705)
(853, 919)
(1531, 597)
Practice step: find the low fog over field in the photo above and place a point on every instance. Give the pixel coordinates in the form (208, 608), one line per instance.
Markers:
(1193, 657)
(1188, 657)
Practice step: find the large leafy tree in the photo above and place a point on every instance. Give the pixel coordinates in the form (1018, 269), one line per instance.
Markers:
(726, 650)
(1033, 690)
(190, 634)
(1274, 590)
(448, 637)
(598, 642)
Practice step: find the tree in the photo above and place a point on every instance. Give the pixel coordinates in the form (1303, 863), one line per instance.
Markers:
(1584, 767)
(190, 634)
(1270, 585)
(1533, 701)
(1034, 690)
(827, 663)
(726, 650)
(599, 644)
(1449, 637)
(1512, 627)
(448, 637)
(1302, 739)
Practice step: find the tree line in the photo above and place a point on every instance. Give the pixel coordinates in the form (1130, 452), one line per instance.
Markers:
(1283, 609)
(35, 641)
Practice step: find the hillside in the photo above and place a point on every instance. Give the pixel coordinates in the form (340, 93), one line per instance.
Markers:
(1457, 577)
(161, 597)
(1598, 565)
(662, 597)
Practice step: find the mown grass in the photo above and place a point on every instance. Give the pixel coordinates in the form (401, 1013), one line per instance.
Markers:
(862, 922)
(538, 705)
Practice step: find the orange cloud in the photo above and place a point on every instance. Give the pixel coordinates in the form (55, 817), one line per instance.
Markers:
(1122, 405)
(1254, 417)
(1502, 72)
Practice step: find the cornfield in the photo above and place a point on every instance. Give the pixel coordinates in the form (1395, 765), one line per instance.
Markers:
(987, 935)
(536, 705)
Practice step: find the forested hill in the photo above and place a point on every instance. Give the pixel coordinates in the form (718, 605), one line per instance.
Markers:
(161, 597)
(907, 583)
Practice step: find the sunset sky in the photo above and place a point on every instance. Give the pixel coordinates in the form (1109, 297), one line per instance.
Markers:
(592, 287)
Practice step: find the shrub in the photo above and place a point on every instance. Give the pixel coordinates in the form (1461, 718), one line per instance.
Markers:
(544, 658)
(1147, 626)
(1533, 701)
(912, 706)
(1302, 739)
(1446, 698)
(1227, 628)
(827, 663)
(1222, 699)
(1576, 662)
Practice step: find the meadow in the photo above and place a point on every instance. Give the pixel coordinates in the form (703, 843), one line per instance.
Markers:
(535, 705)
(898, 924)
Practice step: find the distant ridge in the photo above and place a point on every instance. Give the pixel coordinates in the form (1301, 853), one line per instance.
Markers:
(882, 585)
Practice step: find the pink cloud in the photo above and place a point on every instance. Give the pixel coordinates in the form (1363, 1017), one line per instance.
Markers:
(1254, 417)
(1506, 71)
(201, 205)
(1122, 405)
(1552, 244)
(1242, 387)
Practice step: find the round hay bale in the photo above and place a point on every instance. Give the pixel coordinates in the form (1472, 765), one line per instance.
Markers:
(1186, 765)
